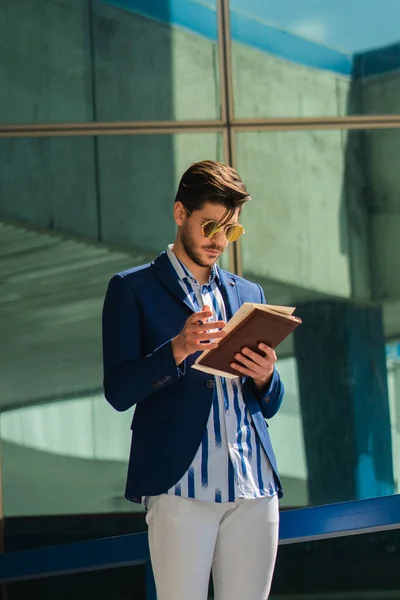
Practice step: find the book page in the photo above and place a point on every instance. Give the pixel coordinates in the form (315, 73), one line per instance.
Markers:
(281, 310)
(212, 371)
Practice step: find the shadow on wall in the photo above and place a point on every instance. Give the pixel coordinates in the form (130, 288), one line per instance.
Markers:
(372, 183)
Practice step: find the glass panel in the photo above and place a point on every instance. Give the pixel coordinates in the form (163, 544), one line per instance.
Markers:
(322, 234)
(288, 425)
(314, 59)
(343, 568)
(94, 60)
(147, 169)
(74, 211)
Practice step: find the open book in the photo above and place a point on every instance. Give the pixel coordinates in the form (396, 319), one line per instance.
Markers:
(252, 324)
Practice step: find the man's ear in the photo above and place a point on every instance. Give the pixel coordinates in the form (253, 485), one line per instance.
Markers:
(179, 213)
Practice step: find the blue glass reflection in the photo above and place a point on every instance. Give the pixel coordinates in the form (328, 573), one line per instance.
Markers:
(350, 26)
(356, 37)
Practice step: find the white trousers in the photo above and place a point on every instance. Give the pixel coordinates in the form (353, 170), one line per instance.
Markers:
(236, 541)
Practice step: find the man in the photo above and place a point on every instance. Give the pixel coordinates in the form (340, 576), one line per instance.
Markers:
(201, 459)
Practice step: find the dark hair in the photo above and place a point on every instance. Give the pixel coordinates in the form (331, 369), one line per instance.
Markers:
(212, 181)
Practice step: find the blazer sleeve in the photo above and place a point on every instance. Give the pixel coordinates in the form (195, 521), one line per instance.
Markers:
(130, 377)
(271, 398)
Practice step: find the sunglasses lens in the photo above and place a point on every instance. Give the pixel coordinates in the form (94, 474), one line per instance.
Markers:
(234, 232)
(210, 229)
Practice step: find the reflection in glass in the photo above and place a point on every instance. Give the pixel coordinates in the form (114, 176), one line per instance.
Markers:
(287, 425)
(71, 455)
(322, 235)
(356, 566)
(313, 59)
(95, 60)
(101, 188)
(60, 448)
(71, 217)
(393, 359)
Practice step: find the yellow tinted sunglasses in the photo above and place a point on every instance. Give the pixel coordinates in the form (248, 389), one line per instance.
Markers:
(211, 228)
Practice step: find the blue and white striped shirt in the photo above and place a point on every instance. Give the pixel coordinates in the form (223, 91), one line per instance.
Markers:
(230, 462)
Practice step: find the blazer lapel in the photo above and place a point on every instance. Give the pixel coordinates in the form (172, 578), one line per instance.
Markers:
(166, 274)
(230, 293)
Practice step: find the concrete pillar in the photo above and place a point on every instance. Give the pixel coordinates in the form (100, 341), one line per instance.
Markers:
(340, 351)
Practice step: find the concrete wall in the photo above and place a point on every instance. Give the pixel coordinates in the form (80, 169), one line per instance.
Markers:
(381, 95)
(50, 183)
(382, 150)
(146, 70)
(268, 86)
(137, 211)
(46, 66)
(297, 221)
(102, 189)
(62, 63)
(309, 187)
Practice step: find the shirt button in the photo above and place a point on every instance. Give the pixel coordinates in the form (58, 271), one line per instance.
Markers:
(210, 384)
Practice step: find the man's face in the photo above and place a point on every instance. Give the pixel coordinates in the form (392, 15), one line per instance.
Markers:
(203, 251)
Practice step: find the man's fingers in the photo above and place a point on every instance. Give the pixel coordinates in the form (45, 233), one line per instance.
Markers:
(212, 325)
(207, 346)
(208, 326)
(206, 336)
(243, 370)
(203, 314)
(251, 356)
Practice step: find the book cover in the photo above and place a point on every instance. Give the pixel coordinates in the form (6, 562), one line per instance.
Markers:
(251, 325)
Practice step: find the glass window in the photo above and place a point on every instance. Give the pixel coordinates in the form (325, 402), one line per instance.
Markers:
(355, 566)
(139, 172)
(315, 59)
(76, 211)
(118, 189)
(287, 425)
(71, 456)
(90, 60)
(322, 234)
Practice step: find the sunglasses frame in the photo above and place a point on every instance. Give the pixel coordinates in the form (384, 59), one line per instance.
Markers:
(218, 227)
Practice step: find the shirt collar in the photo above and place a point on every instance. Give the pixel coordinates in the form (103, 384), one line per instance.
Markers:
(184, 273)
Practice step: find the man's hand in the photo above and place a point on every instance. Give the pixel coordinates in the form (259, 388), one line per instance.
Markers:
(258, 366)
(196, 335)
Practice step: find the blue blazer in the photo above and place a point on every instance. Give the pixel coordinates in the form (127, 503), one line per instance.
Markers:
(144, 309)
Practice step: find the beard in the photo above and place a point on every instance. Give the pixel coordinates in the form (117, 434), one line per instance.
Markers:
(194, 255)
